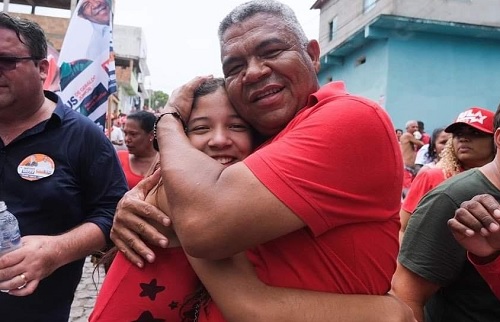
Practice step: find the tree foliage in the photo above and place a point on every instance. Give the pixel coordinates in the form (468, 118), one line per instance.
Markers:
(157, 100)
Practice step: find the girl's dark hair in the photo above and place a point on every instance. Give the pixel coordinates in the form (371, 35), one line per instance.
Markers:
(431, 153)
(209, 86)
(194, 303)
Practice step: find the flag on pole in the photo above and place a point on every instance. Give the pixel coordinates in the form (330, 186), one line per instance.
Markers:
(86, 61)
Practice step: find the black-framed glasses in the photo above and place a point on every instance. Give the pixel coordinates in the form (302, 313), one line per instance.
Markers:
(10, 63)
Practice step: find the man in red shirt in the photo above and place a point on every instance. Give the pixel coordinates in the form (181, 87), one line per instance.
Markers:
(304, 208)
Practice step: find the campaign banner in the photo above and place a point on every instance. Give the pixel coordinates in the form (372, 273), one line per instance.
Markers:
(86, 61)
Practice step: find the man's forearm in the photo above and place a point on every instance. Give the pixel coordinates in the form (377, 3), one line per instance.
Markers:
(79, 242)
(283, 304)
(241, 297)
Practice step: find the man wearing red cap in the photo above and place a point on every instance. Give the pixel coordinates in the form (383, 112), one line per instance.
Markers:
(434, 276)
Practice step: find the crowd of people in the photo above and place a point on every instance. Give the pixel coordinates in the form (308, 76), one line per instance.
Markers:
(236, 204)
(434, 275)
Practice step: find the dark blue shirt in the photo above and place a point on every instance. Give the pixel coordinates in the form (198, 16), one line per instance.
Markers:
(86, 184)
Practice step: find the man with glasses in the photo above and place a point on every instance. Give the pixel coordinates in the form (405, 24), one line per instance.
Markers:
(9, 63)
(59, 175)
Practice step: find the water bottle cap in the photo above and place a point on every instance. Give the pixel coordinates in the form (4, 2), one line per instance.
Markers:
(3, 206)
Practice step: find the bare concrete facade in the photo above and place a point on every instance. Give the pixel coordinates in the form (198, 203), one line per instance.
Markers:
(352, 15)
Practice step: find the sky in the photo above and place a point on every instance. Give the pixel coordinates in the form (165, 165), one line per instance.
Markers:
(182, 38)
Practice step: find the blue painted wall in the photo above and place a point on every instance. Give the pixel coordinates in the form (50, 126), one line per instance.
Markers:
(424, 76)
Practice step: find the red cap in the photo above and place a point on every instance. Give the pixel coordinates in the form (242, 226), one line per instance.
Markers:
(477, 117)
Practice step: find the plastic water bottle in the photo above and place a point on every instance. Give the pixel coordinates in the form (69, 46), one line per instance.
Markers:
(10, 237)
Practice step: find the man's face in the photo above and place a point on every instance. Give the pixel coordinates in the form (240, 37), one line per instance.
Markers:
(97, 11)
(412, 127)
(269, 74)
(19, 85)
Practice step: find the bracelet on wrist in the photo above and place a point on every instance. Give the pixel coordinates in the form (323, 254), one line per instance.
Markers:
(483, 260)
(177, 115)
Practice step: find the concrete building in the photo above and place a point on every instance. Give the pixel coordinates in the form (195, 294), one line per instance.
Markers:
(425, 60)
(131, 67)
(129, 47)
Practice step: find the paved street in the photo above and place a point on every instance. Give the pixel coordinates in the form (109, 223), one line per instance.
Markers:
(86, 293)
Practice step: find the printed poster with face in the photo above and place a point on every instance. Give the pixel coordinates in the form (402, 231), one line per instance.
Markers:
(86, 62)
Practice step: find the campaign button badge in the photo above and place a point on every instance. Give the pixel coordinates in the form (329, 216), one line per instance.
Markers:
(35, 167)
